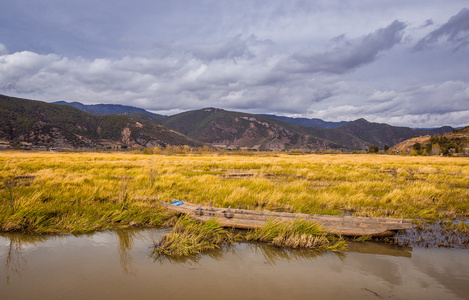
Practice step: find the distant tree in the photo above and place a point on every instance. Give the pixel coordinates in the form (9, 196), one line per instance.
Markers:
(444, 150)
(428, 148)
(15, 144)
(417, 146)
(373, 149)
(386, 148)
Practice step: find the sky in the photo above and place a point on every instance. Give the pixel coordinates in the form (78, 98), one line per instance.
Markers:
(400, 62)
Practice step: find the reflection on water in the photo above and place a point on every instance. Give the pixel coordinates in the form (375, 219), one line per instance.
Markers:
(126, 241)
(217, 254)
(14, 261)
(116, 265)
(380, 248)
(272, 255)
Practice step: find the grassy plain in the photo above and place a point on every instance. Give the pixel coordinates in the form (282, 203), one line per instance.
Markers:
(82, 192)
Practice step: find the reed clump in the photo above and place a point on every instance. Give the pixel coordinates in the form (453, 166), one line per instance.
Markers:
(189, 237)
(299, 233)
(462, 227)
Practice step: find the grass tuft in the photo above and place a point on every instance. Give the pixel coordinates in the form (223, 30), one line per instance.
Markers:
(189, 237)
(462, 227)
(299, 233)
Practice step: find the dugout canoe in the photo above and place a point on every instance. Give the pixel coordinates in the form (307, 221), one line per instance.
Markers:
(250, 219)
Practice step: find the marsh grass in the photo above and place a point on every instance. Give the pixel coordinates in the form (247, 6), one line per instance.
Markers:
(83, 192)
(189, 237)
(461, 227)
(296, 234)
(363, 238)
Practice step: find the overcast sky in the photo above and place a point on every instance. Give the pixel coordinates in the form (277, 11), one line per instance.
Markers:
(399, 62)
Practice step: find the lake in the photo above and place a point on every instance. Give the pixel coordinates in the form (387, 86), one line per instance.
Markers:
(117, 265)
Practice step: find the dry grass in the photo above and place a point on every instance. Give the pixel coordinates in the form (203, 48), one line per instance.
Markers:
(296, 234)
(83, 192)
(461, 227)
(189, 237)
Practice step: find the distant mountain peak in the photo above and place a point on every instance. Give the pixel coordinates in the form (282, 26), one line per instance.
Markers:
(362, 120)
(105, 109)
(381, 134)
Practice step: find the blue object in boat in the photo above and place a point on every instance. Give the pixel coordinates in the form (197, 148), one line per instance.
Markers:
(178, 203)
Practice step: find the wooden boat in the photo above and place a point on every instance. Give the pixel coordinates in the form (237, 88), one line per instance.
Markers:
(249, 219)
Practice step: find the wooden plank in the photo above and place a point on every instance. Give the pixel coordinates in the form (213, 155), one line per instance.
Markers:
(407, 222)
(326, 221)
(250, 219)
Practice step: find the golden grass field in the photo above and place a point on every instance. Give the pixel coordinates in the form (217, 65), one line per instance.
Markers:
(82, 192)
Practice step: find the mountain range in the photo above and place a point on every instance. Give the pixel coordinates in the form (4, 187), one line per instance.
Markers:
(104, 109)
(38, 124)
(314, 122)
(76, 125)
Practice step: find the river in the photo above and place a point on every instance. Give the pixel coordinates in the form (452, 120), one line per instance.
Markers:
(116, 265)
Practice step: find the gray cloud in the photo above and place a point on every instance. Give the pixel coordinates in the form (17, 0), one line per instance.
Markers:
(347, 54)
(276, 57)
(427, 23)
(233, 48)
(434, 98)
(455, 31)
(419, 105)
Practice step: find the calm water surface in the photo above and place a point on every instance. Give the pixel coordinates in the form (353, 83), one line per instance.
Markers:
(116, 265)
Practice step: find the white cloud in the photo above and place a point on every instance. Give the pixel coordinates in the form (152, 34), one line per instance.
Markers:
(382, 96)
(3, 49)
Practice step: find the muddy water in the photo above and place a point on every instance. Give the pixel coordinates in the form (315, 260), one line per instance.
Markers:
(115, 265)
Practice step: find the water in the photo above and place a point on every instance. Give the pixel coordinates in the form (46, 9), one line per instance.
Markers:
(116, 265)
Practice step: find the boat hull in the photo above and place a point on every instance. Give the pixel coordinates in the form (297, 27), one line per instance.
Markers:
(251, 219)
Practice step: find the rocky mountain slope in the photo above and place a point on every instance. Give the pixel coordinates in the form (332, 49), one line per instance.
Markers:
(380, 134)
(37, 124)
(456, 142)
(314, 122)
(232, 130)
